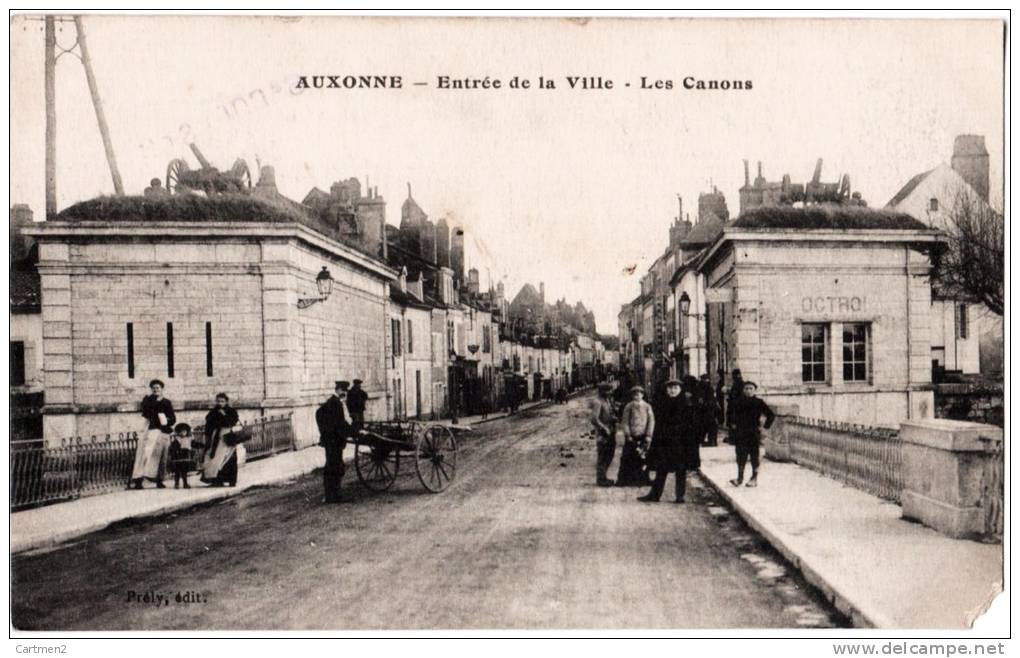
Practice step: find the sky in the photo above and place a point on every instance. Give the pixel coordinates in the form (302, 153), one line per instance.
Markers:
(563, 186)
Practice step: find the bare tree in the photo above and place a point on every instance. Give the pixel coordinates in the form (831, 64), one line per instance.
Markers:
(972, 266)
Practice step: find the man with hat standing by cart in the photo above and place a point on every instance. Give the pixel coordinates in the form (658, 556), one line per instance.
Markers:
(603, 419)
(357, 400)
(334, 429)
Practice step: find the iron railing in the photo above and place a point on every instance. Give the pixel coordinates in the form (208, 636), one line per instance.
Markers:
(861, 456)
(270, 435)
(77, 467)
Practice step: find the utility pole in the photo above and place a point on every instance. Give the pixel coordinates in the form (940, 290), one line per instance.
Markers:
(51, 118)
(51, 57)
(98, 104)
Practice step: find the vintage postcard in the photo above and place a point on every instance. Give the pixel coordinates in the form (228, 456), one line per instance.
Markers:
(501, 324)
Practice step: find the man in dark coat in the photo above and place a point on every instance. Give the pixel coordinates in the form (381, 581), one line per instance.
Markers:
(720, 397)
(675, 446)
(736, 388)
(748, 410)
(357, 400)
(711, 412)
(603, 420)
(334, 429)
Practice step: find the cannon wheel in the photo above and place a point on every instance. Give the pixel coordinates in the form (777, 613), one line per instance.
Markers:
(242, 174)
(174, 171)
(436, 457)
(376, 466)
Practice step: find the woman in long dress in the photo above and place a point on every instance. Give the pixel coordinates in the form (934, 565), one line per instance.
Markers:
(149, 455)
(638, 424)
(220, 465)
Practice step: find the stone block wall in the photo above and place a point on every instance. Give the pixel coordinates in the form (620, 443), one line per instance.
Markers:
(978, 403)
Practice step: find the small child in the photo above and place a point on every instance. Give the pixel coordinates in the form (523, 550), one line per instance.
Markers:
(181, 459)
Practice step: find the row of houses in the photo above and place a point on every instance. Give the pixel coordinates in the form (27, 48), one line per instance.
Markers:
(825, 303)
(271, 301)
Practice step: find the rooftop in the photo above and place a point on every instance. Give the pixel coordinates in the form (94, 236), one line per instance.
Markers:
(907, 189)
(190, 208)
(826, 216)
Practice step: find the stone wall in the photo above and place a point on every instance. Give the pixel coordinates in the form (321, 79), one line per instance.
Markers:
(979, 403)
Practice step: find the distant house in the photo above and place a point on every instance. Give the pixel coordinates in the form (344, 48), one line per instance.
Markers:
(960, 327)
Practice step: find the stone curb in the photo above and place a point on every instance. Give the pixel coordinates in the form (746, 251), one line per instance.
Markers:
(859, 614)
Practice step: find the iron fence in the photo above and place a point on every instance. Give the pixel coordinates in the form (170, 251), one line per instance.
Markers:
(77, 467)
(270, 435)
(864, 457)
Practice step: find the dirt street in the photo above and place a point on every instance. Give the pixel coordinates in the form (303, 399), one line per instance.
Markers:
(522, 539)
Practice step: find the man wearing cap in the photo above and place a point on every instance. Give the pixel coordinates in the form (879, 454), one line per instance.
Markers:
(357, 400)
(604, 421)
(334, 428)
(748, 410)
(638, 424)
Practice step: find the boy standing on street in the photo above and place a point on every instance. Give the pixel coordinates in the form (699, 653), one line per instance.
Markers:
(748, 410)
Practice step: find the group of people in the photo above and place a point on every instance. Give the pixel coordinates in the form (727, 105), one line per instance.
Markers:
(338, 419)
(168, 445)
(666, 437)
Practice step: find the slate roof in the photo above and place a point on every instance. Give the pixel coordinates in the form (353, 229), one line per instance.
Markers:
(705, 231)
(406, 299)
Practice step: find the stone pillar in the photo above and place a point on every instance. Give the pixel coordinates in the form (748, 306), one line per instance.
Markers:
(952, 476)
(775, 440)
(58, 371)
(284, 361)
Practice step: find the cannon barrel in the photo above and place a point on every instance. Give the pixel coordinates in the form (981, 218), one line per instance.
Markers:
(201, 158)
(818, 172)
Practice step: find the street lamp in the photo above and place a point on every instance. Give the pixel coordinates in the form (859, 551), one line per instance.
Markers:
(685, 303)
(685, 306)
(324, 283)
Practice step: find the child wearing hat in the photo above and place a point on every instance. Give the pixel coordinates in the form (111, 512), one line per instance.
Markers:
(181, 458)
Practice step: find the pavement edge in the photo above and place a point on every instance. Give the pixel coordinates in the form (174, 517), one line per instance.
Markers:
(859, 617)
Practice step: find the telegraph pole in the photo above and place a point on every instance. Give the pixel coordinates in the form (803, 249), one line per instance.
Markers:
(98, 104)
(51, 118)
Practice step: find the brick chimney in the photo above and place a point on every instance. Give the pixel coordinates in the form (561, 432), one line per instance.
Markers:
(457, 254)
(442, 243)
(970, 160)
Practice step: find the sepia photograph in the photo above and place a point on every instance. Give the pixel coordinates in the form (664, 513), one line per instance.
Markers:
(496, 325)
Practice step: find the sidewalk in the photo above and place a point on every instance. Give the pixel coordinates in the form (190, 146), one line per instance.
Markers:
(53, 524)
(50, 525)
(876, 568)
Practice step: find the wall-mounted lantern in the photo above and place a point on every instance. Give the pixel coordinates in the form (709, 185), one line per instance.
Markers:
(324, 283)
(685, 303)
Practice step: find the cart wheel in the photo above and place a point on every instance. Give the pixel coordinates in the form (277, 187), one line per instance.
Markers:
(242, 175)
(174, 171)
(436, 458)
(376, 467)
